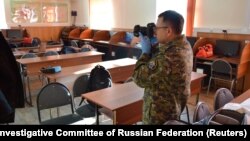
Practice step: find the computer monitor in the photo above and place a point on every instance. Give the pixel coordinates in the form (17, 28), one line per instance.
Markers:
(227, 48)
(14, 33)
(192, 40)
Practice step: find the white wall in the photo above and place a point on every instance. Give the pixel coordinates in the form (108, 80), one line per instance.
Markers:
(215, 15)
(211, 15)
(131, 12)
(82, 8)
(127, 12)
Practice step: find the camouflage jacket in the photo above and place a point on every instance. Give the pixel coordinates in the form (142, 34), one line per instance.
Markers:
(166, 77)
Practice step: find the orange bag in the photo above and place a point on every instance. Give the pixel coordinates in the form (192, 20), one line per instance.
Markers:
(205, 51)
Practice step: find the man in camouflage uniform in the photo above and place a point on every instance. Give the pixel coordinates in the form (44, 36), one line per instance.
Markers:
(165, 71)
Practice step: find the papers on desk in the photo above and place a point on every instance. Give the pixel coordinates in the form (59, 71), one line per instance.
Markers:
(243, 107)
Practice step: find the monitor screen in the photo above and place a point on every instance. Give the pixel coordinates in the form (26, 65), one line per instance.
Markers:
(14, 33)
(191, 40)
(227, 48)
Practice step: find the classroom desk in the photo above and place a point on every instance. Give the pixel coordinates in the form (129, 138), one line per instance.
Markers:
(244, 96)
(239, 66)
(34, 65)
(125, 100)
(119, 69)
(18, 54)
(42, 46)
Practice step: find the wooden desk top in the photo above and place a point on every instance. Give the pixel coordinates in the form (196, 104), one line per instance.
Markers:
(195, 76)
(242, 97)
(83, 69)
(121, 95)
(58, 57)
(116, 96)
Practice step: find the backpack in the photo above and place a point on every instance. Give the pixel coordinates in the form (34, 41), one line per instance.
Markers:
(99, 78)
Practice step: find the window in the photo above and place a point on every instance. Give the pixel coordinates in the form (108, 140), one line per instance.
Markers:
(38, 11)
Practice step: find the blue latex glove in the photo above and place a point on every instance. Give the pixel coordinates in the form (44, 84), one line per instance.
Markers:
(145, 44)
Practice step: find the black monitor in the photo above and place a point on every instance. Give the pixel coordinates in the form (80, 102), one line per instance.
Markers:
(192, 40)
(227, 48)
(14, 33)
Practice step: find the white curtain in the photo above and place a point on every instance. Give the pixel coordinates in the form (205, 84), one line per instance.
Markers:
(3, 24)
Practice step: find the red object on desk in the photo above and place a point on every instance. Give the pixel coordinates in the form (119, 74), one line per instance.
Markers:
(27, 40)
(205, 51)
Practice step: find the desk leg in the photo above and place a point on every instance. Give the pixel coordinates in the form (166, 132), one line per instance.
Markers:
(96, 114)
(243, 84)
(197, 98)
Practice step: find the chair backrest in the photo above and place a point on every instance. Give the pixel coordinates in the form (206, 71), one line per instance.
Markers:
(53, 95)
(80, 85)
(222, 97)
(50, 53)
(118, 37)
(75, 33)
(103, 35)
(36, 41)
(221, 67)
(29, 55)
(201, 112)
(74, 43)
(84, 49)
(87, 34)
(227, 117)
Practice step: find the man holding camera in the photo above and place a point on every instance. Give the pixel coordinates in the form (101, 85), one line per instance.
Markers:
(165, 71)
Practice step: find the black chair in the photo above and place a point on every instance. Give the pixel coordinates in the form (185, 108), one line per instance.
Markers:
(175, 122)
(36, 42)
(74, 43)
(192, 40)
(222, 97)
(84, 49)
(223, 71)
(50, 53)
(55, 95)
(201, 112)
(80, 86)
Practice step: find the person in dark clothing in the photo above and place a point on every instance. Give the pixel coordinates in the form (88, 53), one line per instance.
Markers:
(10, 82)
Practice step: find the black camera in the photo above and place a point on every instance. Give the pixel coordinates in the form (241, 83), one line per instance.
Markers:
(145, 31)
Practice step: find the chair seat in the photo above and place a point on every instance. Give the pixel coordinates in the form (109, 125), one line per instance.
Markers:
(62, 120)
(223, 76)
(175, 122)
(86, 111)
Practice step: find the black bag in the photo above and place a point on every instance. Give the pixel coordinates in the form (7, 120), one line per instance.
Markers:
(226, 117)
(99, 78)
